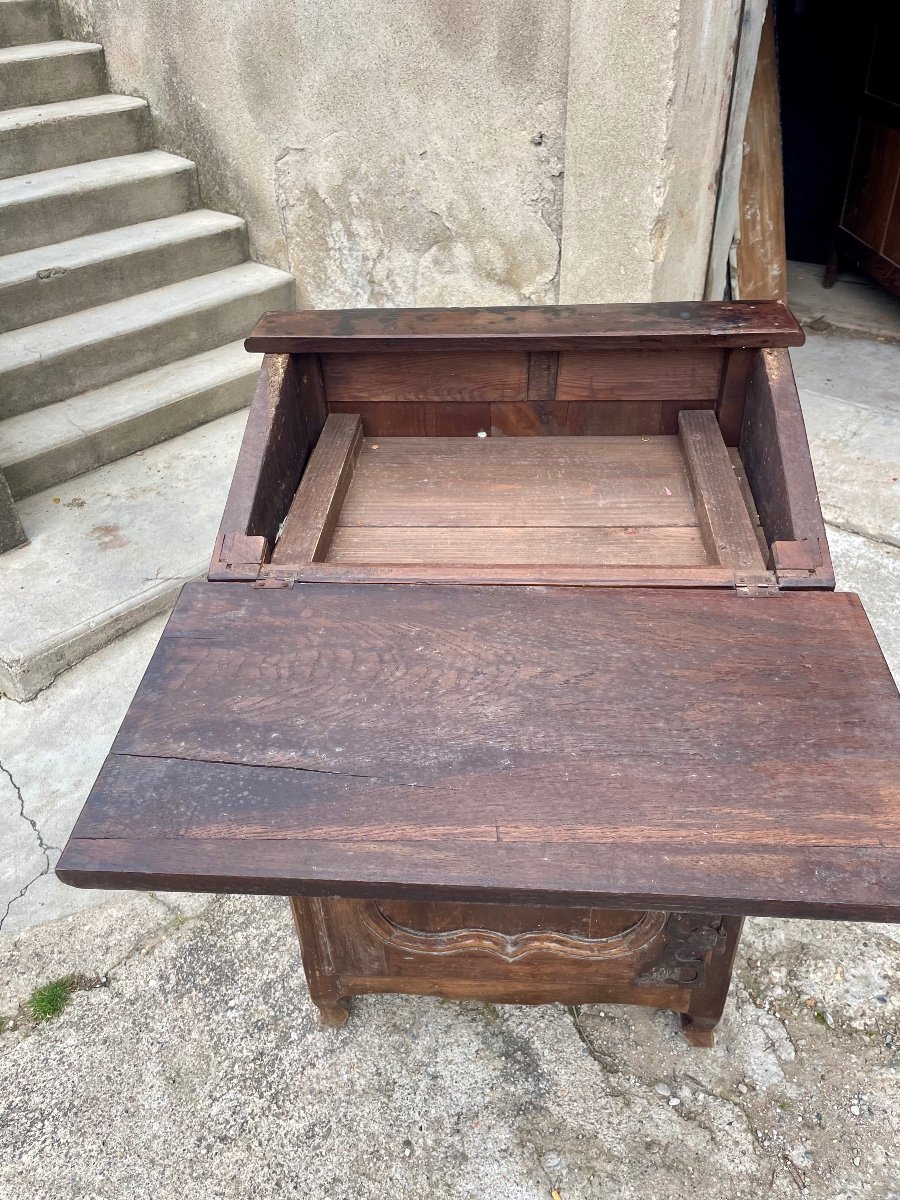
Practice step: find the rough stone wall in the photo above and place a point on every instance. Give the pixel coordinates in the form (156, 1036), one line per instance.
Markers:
(385, 153)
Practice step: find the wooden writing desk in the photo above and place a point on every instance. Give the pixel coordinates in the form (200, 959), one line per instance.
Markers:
(529, 717)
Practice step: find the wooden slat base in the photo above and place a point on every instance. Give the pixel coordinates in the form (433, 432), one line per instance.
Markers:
(661, 504)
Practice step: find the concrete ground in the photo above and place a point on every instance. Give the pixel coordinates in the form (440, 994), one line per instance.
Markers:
(854, 305)
(188, 1062)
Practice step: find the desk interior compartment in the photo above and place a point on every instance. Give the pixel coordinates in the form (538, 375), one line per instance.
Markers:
(675, 460)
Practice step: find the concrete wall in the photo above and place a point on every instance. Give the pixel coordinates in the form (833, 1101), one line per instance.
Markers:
(413, 153)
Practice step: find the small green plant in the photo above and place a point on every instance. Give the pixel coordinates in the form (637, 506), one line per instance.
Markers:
(49, 1001)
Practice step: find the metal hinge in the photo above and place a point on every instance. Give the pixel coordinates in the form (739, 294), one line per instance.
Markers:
(272, 581)
(756, 585)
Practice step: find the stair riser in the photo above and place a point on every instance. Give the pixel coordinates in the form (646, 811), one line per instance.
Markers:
(51, 79)
(43, 299)
(27, 22)
(59, 218)
(55, 466)
(60, 375)
(43, 146)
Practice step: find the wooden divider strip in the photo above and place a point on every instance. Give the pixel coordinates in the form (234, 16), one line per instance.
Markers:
(724, 521)
(314, 512)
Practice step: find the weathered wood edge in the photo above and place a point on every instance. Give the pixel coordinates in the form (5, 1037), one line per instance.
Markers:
(775, 453)
(725, 524)
(525, 575)
(313, 515)
(740, 324)
(84, 863)
(286, 417)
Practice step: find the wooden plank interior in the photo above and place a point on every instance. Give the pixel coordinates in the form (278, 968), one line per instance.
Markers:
(657, 375)
(724, 522)
(537, 418)
(317, 504)
(732, 398)
(678, 546)
(462, 378)
(519, 481)
(539, 501)
(675, 326)
(628, 502)
(409, 419)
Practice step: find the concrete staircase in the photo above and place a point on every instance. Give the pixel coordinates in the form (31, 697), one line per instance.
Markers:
(122, 374)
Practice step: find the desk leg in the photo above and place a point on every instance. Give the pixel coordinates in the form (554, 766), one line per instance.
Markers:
(324, 982)
(707, 1006)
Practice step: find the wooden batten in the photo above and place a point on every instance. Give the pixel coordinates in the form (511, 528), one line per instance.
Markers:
(775, 454)
(286, 417)
(725, 524)
(314, 513)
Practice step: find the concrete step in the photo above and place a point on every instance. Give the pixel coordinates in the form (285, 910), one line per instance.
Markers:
(52, 281)
(71, 202)
(58, 359)
(49, 72)
(109, 550)
(24, 21)
(44, 448)
(45, 136)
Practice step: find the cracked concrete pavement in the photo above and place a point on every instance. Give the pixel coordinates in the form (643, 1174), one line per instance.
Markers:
(189, 1062)
(194, 1067)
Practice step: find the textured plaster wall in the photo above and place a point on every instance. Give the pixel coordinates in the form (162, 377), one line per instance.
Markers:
(649, 87)
(412, 153)
(386, 153)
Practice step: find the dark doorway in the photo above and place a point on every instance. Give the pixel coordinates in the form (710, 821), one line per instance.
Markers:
(837, 68)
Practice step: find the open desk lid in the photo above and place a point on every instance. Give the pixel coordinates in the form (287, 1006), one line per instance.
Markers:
(668, 749)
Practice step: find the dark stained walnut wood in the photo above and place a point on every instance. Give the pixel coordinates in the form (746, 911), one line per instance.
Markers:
(534, 693)
(725, 525)
(316, 508)
(464, 377)
(775, 454)
(564, 327)
(649, 749)
(286, 418)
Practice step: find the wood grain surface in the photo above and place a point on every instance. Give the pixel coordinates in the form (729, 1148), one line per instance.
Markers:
(464, 378)
(316, 507)
(554, 327)
(649, 749)
(519, 481)
(680, 546)
(775, 454)
(725, 523)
